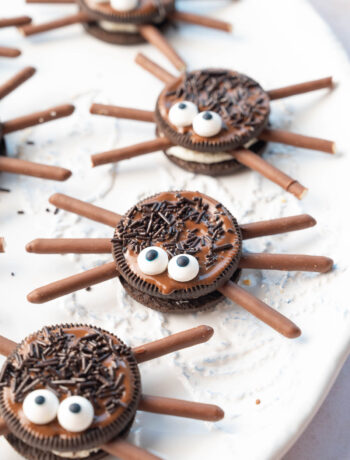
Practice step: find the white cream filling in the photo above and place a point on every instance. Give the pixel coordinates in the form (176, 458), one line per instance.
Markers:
(79, 454)
(202, 157)
(118, 27)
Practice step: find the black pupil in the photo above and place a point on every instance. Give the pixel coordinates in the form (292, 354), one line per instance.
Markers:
(39, 400)
(75, 408)
(207, 116)
(182, 105)
(182, 261)
(151, 255)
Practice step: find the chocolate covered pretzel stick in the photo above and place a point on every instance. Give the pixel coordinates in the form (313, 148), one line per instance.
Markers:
(2, 244)
(84, 209)
(173, 343)
(260, 309)
(277, 226)
(289, 262)
(257, 163)
(3, 428)
(18, 21)
(38, 118)
(122, 112)
(125, 153)
(70, 246)
(300, 88)
(154, 68)
(73, 283)
(9, 52)
(127, 451)
(151, 34)
(15, 81)
(200, 20)
(180, 408)
(6, 346)
(298, 140)
(29, 168)
(34, 29)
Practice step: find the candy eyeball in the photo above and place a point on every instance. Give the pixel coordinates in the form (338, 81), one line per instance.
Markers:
(124, 5)
(207, 124)
(152, 260)
(183, 267)
(75, 414)
(182, 113)
(40, 406)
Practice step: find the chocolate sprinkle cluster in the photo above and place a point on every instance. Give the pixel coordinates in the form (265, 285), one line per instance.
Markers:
(55, 363)
(165, 222)
(237, 98)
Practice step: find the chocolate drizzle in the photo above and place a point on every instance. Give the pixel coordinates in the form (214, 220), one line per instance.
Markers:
(240, 101)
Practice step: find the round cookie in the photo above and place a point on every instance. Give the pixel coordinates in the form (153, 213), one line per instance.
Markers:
(199, 240)
(146, 12)
(89, 389)
(231, 102)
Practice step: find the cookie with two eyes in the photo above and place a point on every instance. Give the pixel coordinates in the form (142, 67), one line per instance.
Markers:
(175, 249)
(67, 390)
(116, 21)
(208, 113)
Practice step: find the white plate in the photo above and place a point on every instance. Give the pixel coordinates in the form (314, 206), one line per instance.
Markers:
(276, 43)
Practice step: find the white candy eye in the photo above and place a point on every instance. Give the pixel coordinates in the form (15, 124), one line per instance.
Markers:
(152, 260)
(207, 124)
(40, 406)
(183, 267)
(182, 113)
(124, 5)
(75, 414)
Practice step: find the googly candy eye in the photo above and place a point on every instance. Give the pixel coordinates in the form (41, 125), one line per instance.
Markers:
(182, 113)
(183, 267)
(40, 406)
(75, 414)
(124, 5)
(152, 260)
(207, 124)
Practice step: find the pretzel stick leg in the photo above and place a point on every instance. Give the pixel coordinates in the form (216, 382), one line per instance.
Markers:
(9, 52)
(18, 21)
(88, 210)
(2, 244)
(151, 34)
(277, 226)
(154, 69)
(181, 408)
(7, 346)
(257, 163)
(124, 450)
(70, 246)
(29, 168)
(289, 262)
(3, 428)
(15, 81)
(260, 309)
(173, 343)
(200, 20)
(122, 112)
(73, 283)
(300, 88)
(298, 140)
(33, 29)
(38, 118)
(125, 153)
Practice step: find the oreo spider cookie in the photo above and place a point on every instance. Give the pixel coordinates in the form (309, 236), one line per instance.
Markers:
(67, 390)
(117, 21)
(177, 248)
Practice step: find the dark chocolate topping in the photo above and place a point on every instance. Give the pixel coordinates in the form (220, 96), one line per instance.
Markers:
(240, 101)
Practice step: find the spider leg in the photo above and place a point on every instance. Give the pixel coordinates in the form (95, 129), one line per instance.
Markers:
(16, 21)
(201, 20)
(154, 69)
(9, 52)
(122, 112)
(33, 29)
(277, 226)
(15, 81)
(298, 140)
(289, 262)
(300, 88)
(70, 246)
(29, 168)
(7, 346)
